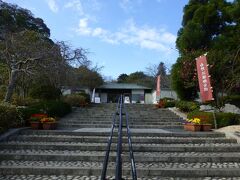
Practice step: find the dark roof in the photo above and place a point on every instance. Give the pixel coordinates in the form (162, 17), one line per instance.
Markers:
(122, 86)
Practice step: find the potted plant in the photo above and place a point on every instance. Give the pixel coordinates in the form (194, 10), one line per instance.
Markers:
(192, 124)
(206, 127)
(35, 120)
(48, 123)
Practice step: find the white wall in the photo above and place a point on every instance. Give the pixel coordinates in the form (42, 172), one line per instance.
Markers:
(135, 91)
(164, 93)
(103, 97)
(66, 92)
(148, 98)
(137, 94)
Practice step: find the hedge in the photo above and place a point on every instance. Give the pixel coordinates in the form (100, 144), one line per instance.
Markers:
(187, 106)
(9, 118)
(53, 108)
(45, 92)
(77, 100)
(223, 119)
(233, 99)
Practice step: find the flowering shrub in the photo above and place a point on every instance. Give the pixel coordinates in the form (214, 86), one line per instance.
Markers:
(194, 121)
(48, 120)
(37, 117)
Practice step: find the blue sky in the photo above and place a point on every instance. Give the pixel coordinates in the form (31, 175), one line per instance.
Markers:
(124, 36)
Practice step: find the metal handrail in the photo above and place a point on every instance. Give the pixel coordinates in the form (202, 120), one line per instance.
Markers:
(133, 166)
(118, 170)
(105, 163)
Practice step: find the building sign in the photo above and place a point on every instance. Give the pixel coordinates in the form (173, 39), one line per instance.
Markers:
(97, 100)
(203, 79)
(158, 87)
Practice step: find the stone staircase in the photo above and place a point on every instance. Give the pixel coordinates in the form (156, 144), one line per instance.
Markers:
(162, 150)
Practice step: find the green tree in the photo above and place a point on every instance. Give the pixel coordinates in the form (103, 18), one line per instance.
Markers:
(88, 77)
(15, 19)
(122, 78)
(141, 78)
(208, 26)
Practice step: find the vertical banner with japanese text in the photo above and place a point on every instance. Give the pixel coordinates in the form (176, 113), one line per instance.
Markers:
(158, 88)
(203, 79)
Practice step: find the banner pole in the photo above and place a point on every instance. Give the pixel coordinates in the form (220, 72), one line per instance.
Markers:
(214, 118)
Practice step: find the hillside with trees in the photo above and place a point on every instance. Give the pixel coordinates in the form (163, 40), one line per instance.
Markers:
(28, 57)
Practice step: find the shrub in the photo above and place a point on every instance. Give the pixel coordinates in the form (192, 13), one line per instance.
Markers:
(169, 102)
(166, 102)
(86, 96)
(26, 112)
(226, 119)
(234, 99)
(187, 106)
(28, 101)
(3, 90)
(77, 99)
(53, 108)
(223, 119)
(9, 117)
(45, 92)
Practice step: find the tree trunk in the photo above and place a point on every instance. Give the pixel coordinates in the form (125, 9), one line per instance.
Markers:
(11, 86)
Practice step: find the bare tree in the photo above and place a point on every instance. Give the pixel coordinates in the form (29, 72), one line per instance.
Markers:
(74, 57)
(23, 52)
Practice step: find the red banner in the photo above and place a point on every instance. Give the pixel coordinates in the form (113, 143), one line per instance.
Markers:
(158, 86)
(203, 79)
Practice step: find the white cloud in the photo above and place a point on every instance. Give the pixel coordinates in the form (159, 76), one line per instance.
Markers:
(83, 28)
(125, 4)
(52, 5)
(75, 4)
(129, 5)
(98, 32)
(144, 37)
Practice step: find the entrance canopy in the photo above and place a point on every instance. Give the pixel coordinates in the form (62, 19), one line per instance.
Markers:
(110, 92)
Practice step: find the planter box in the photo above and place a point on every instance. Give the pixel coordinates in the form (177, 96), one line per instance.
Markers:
(206, 127)
(192, 127)
(36, 125)
(49, 126)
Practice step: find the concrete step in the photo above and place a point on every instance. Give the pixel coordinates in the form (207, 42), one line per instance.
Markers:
(98, 156)
(164, 126)
(105, 121)
(143, 170)
(135, 139)
(77, 177)
(216, 147)
(103, 124)
(134, 132)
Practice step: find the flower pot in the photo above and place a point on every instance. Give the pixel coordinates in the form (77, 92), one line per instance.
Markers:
(192, 127)
(49, 126)
(35, 125)
(206, 127)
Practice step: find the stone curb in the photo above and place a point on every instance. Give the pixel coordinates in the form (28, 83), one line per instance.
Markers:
(177, 112)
